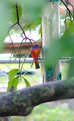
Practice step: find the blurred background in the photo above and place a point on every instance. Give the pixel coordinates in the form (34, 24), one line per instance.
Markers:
(54, 111)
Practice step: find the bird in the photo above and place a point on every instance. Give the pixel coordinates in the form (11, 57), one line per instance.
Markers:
(35, 52)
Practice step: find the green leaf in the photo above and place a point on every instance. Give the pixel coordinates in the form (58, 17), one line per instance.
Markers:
(32, 24)
(68, 21)
(26, 82)
(12, 74)
(13, 79)
(14, 82)
(40, 31)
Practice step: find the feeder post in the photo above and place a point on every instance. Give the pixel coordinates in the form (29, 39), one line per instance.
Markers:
(50, 30)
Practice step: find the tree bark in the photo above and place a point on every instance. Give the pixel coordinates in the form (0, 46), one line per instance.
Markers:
(22, 102)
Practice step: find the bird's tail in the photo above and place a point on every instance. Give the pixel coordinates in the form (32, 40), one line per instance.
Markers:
(37, 64)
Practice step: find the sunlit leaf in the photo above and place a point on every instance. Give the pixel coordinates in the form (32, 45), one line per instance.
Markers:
(32, 24)
(14, 82)
(26, 82)
(12, 74)
(13, 79)
(40, 31)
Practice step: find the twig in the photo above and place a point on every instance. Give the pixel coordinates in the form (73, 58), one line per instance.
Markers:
(71, 6)
(67, 9)
(26, 38)
(17, 14)
(70, 3)
(21, 26)
(25, 58)
(12, 27)
(12, 44)
(23, 33)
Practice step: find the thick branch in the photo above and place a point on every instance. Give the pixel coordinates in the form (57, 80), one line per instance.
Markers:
(21, 103)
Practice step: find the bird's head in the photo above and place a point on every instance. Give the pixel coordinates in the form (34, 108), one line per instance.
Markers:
(35, 46)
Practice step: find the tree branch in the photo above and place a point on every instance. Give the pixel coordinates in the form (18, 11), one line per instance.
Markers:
(22, 102)
(70, 14)
(17, 14)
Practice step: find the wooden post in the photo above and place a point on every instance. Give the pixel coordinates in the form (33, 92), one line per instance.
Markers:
(50, 28)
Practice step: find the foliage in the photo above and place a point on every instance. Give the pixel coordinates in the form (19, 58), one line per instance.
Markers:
(11, 14)
(13, 17)
(26, 82)
(14, 79)
(61, 47)
(29, 11)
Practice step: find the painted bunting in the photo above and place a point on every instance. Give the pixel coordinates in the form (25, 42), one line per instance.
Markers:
(35, 52)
